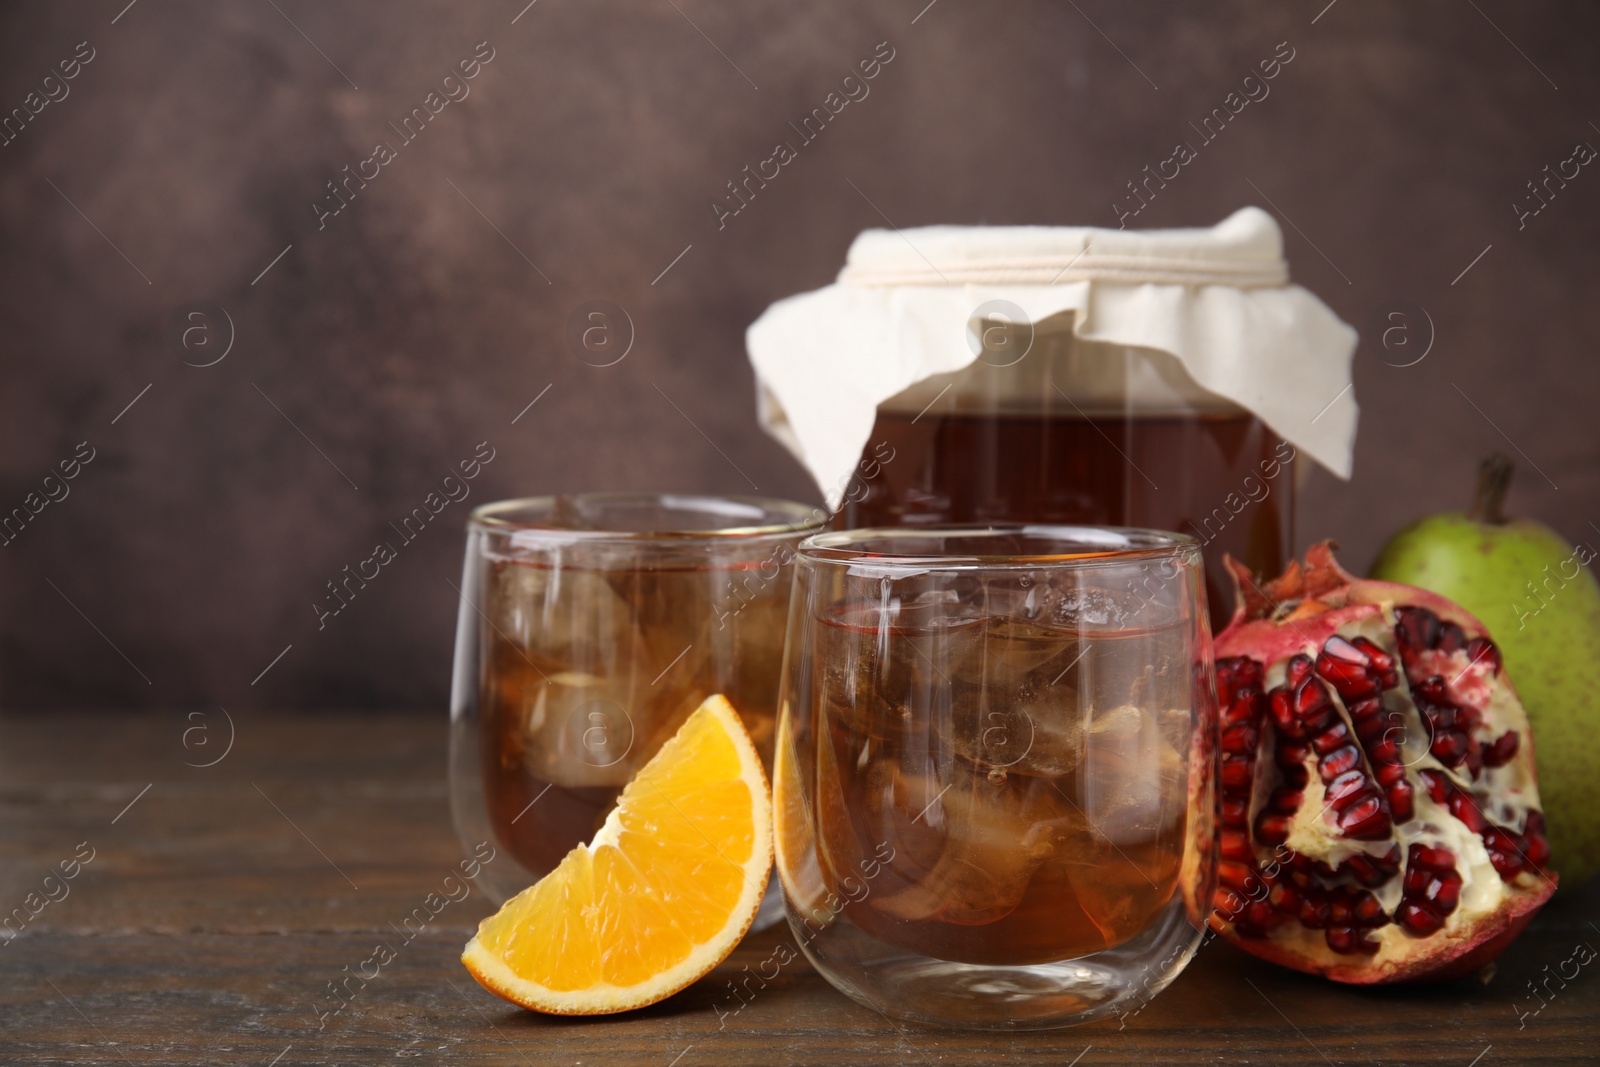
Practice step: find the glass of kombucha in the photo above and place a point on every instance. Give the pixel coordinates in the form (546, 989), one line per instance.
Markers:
(993, 773)
(589, 627)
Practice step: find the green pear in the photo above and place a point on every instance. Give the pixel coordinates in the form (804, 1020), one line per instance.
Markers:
(1542, 607)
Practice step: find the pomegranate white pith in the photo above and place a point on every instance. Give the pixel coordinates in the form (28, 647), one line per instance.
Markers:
(1379, 814)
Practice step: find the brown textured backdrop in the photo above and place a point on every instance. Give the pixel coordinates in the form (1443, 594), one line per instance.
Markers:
(407, 330)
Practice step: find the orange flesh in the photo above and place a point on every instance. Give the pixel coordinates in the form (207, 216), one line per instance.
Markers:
(663, 878)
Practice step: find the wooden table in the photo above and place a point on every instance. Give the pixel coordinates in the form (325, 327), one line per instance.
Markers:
(220, 902)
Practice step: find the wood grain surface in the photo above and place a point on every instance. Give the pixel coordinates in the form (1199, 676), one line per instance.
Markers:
(217, 907)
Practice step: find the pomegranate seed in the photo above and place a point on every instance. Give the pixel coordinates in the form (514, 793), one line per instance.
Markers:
(1446, 892)
(1482, 650)
(1347, 941)
(1418, 628)
(1462, 807)
(1363, 870)
(1383, 867)
(1358, 866)
(1433, 688)
(1401, 803)
(1369, 870)
(1285, 801)
(1240, 740)
(1353, 908)
(1233, 674)
(1535, 848)
(1235, 845)
(1285, 899)
(1283, 716)
(1351, 681)
(1292, 755)
(1418, 920)
(1451, 638)
(1537, 851)
(1346, 668)
(1237, 773)
(1272, 829)
(1393, 775)
(1246, 704)
(1369, 912)
(1499, 839)
(1440, 716)
(1288, 899)
(1237, 876)
(1340, 761)
(1347, 785)
(1333, 737)
(1367, 820)
(1310, 698)
(1324, 718)
(1227, 902)
(1336, 647)
(1380, 661)
(1437, 859)
(1274, 822)
(1449, 747)
(1235, 812)
(1500, 752)
(1508, 865)
(1437, 784)
(1363, 709)
(1298, 669)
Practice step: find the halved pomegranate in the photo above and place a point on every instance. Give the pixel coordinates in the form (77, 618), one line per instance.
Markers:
(1379, 813)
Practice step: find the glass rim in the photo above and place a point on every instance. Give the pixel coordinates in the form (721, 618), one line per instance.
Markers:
(782, 518)
(1139, 544)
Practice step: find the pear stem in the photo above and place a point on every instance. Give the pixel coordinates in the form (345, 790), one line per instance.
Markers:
(1494, 479)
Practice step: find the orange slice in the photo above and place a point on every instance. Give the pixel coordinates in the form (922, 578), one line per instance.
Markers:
(661, 895)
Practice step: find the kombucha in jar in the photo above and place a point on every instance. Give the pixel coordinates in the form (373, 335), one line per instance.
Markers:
(1045, 427)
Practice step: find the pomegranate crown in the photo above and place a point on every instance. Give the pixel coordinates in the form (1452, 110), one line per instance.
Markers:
(1299, 590)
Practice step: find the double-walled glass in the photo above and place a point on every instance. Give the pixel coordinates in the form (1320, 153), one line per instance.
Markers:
(589, 628)
(993, 770)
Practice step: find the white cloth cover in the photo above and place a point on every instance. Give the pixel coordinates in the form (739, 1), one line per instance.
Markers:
(1217, 299)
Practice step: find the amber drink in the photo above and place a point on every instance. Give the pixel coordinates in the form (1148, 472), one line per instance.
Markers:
(993, 761)
(1034, 793)
(1048, 428)
(591, 627)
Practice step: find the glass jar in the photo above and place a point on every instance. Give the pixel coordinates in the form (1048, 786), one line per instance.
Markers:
(1047, 427)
